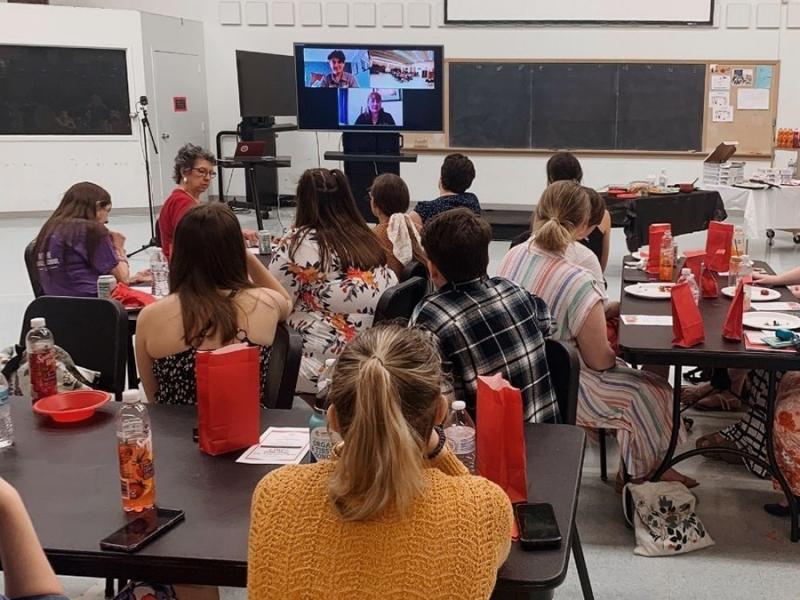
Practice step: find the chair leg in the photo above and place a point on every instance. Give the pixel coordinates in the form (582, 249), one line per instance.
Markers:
(580, 564)
(603, 464)
(110, 593)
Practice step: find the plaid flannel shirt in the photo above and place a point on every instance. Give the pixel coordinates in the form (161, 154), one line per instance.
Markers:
(491, 325)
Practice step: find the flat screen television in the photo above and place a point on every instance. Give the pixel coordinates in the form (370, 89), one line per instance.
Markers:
(266, 84)
(358, 87)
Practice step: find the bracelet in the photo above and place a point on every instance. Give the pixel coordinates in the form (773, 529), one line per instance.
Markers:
(440, 446)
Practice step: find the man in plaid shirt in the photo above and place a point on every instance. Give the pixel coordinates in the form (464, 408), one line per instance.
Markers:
(484, 325)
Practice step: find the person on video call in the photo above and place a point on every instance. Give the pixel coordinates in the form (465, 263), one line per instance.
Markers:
(338, 77)
(375, 115)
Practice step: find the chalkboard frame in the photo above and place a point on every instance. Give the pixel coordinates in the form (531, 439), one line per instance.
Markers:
(131, 136)
(439, 143)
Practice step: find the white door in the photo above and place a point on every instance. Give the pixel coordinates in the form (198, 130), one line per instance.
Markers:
(179, 112)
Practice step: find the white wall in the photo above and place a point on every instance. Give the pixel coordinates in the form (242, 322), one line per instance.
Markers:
(36, 170)
(501, 179)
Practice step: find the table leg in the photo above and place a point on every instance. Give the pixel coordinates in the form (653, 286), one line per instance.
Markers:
(773, 463)
(580, 565)
(251, 173)
(676, 424)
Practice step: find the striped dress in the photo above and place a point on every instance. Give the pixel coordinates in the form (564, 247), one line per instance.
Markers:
(637, 404)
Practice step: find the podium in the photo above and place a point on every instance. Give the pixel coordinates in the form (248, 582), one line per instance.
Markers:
(250, 165)
(367, 155)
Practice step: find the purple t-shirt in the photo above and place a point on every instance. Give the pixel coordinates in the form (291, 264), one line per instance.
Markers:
(64, 266)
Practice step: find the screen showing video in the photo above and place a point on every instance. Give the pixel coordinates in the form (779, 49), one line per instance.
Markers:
(369, 87)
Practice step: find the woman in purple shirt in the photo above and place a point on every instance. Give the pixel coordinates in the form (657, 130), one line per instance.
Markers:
(74, 248)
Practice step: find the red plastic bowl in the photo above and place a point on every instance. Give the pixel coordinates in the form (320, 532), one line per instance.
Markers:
(70, 407)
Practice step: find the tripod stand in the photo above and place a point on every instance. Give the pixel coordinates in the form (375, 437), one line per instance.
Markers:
(146, 129)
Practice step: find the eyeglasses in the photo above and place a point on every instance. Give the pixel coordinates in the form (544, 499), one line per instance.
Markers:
(203, 173)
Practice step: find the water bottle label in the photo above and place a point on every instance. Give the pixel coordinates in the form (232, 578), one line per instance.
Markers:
(461, 442)
(322, 442)
(44, 381)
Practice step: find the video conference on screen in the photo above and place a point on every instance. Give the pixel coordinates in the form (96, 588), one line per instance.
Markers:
(368, 87)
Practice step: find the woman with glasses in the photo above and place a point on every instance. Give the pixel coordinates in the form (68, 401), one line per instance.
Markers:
(194, 172)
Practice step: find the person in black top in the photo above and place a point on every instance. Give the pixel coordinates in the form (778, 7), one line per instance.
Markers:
(375, 114)
(456, 175)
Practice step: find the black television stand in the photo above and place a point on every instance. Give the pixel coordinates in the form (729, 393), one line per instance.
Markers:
(367, 155)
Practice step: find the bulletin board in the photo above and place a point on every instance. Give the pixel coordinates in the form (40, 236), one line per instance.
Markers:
(754, 130)
(638, 107)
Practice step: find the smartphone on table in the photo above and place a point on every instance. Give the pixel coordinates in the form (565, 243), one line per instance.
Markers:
(142, 529)
(538, 528)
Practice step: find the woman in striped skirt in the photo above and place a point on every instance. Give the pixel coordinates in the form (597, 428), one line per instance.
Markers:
(636, 404)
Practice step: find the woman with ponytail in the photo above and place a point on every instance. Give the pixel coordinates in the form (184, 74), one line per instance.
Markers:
(334, 267)
(637, 404)
(394, 513)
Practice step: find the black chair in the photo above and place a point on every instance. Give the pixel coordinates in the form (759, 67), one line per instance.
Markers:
(565, 370)
(33, 272)
(414, 269)
(93, 331)
(399, 301)
(284, 367)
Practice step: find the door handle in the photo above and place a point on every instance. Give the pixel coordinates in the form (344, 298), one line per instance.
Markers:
(164, 136)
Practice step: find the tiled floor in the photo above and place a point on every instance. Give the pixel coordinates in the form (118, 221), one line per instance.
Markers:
(752, 558)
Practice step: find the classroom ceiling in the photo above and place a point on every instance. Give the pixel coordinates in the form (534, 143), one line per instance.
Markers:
(401, 57)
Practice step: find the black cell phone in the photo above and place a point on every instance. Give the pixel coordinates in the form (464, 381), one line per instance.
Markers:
(142, 529)
(538, 528)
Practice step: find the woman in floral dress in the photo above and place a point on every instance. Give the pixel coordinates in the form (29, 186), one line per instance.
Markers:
(333, 266)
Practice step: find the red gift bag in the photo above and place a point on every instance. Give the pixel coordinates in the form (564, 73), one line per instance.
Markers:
(718, 246)
(687, 324)
(501, 436)
(655, 233)
(732, 328)
(708, 284)
(694, 261)
(228, 398)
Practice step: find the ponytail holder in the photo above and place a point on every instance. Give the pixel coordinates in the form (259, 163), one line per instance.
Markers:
(440, 446)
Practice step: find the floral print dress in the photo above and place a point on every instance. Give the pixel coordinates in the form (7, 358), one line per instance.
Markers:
(330, 306)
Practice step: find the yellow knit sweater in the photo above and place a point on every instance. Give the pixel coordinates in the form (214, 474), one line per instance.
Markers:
(449, 545)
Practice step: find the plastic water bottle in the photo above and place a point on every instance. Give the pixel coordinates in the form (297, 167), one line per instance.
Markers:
(746, 270)
(321, 439)
(6, 426)
(135, 451)
(160, 269)
(41, 349)
(688, 277)
(666, 258)
(460, 432)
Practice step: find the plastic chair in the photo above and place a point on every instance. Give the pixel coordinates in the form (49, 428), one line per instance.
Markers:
(565, 369)
(414, 269)
(399, 301)
(93, 331)
(284, 367)
(33, 272)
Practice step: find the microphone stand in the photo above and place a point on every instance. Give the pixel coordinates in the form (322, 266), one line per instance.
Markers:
(146, 129)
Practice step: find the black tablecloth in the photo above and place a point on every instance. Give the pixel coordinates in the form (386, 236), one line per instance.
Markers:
(685, 212)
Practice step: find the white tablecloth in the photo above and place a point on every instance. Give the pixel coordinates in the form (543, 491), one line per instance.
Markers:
(763, 209)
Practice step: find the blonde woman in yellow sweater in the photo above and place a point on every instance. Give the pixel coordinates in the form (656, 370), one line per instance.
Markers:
(394, 514)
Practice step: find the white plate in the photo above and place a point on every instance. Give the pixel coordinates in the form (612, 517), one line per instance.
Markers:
(650, 291)
(770, 321)
(756, 295)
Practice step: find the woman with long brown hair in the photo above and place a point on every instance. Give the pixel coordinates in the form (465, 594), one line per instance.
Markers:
(73, 247)
(220, 294)
(394, 514)
(334, 267)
